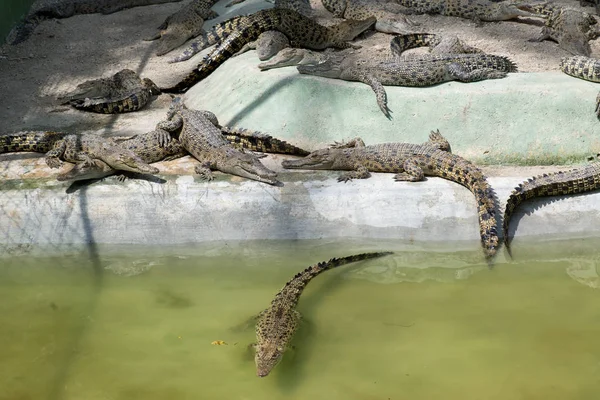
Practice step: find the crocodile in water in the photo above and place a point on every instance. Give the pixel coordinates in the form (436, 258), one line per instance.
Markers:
(183, 25)
(277, 324)
(74, 148)
(411, 162)
(45, 9)
(585, 68)
(300, 30)
(122, 92)
(200, 136)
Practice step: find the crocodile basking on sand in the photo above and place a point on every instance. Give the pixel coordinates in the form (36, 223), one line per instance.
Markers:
(46, 9)
(574, 181)
(183, 25)
(584, 68)
(277, 324)
(122, 92)
(410, 162)
(300, 30)
(198, 133)
(74, 148)
(424, 70)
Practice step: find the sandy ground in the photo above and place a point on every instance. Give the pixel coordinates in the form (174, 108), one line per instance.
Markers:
(63, 53)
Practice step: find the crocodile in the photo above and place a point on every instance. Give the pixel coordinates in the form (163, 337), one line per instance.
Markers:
(410, 162)
(74, 148)
(122, 92)
(200, 136)
(183, 25)
(585, 68)
(578, 180)
(476, 10)
(570, 28)
(300, 30)
(46, 9)
(159, 145)
(276, 325)
(438, 44)
(426, 70)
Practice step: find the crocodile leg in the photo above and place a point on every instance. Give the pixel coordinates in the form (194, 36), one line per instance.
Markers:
(413, 170)
(53, 156)
(204, 171)
(85, 158)
(361, 172)
(379, 92)
(437, 140)
(352, 143)
(171, 125)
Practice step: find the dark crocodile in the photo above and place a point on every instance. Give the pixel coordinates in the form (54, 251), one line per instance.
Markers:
(584, 68)
(570, 28)
(579, 180)
(300, 30)
(200, 136)
(410, 162)
(74, 148)
(46, 9)
(277, 324)
(477, 10)
(425, 70)
(183, 25)
(122, 92)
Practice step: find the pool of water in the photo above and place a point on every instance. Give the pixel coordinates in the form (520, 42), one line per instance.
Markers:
(139, 323)
(10, 12)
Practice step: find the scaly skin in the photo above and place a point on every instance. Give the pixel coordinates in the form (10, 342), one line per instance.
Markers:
(74, 148)
(477, 10)
(203, 140)
(45, 9)
(585, 68)
(183, 25)
(425, 70)
(438, 44)
(300, 30)
(575, 181)
(122, 92)
(277, 324)
(410, 162)
(571, 29)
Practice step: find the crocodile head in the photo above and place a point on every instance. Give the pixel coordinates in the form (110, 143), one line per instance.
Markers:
(348, 29)
(267, 355)
(129, 161)
(507, 10)
(82, 171)
(248, 165)
(319, 159)
(331, 67)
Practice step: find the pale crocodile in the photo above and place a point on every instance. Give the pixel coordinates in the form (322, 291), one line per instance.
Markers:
(410, 162)
(584, 68)
(277, 324)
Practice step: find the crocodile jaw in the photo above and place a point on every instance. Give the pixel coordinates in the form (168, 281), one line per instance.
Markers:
(82, 171)
(320, 159)
(327, 69)
(252, 169)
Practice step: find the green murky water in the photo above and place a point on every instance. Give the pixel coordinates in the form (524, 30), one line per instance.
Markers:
(10, 12)
(415, 325)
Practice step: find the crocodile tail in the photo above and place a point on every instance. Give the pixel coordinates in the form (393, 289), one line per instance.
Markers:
(400, 43)
(36, 141)
(258, 141)
(560, 183)
(581, 67)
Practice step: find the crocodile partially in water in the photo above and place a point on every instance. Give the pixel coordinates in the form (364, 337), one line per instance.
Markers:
(277, 324)
(300, 30)
(74, 148)
(410, 162)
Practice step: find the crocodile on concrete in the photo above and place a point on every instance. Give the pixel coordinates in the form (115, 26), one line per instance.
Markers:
(300, 30)
(570, 28)
(425, 70)
(74, 148)
(183, 25)
(477, 10)
(575, 181)
(276, 325)
(199, 135)
(159, 145)
(46, 9)
(585, 68)
(122, 92)
(410, 162)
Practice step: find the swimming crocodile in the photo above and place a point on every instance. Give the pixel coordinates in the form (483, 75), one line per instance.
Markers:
(277, 324)
(159, 145)
(122, 92)
(477, 10)
(574, 181)
(585, 68)
(74, 148)
(46, 9)
(183, 25)
(425, 70)
(410, 162)
(200, 136)
(300, 30)
(570, 28)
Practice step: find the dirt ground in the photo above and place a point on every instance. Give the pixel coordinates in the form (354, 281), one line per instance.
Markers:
(63, 53)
